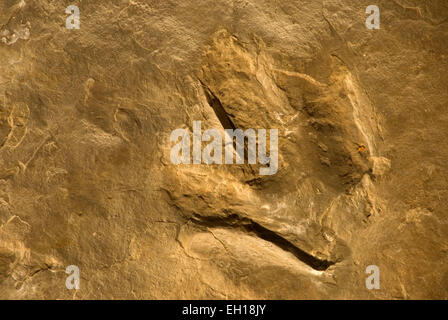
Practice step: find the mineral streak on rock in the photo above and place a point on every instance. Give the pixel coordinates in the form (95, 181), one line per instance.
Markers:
(86, 178)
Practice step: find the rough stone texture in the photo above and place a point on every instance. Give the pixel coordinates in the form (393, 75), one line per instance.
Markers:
(85, 171)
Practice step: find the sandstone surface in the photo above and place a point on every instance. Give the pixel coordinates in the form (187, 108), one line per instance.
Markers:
(86, 177)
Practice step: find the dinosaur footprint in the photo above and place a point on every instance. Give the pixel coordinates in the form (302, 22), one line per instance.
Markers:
(17, 121)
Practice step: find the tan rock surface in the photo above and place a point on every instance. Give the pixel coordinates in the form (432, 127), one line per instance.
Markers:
(85, 171)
